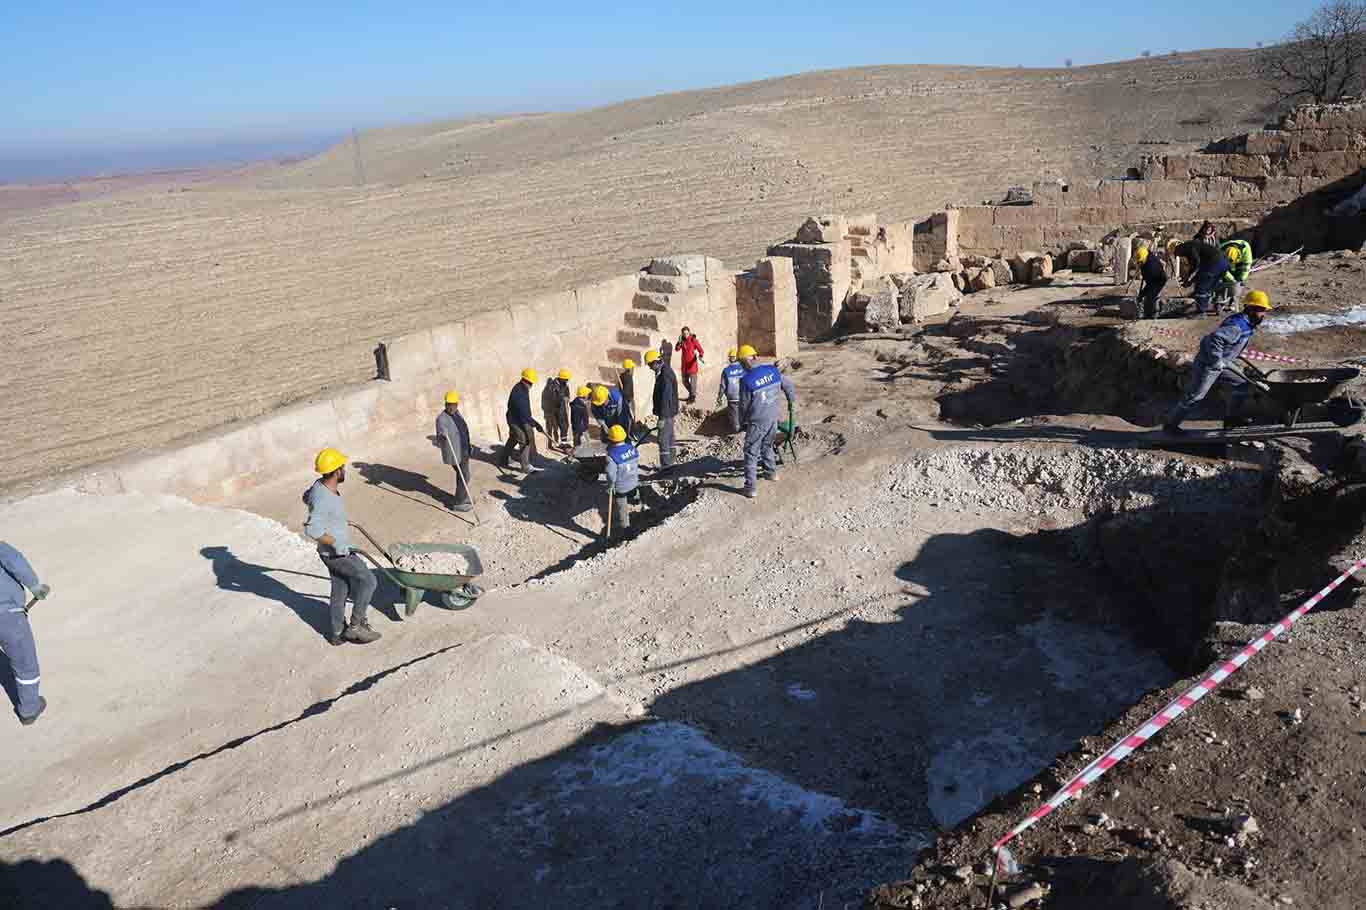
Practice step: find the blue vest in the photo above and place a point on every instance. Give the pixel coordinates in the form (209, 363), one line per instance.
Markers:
(627, 459)
(764, 383)
(731, 375)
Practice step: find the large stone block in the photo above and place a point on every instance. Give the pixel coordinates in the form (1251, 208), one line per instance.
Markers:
(1010, 239)
(983, 279)
(1019, 264)
(1247, 165)
(861, 226)
(1269, 142)
(1002, 272)
(1025, 215)
(1114, 215)
(1322, 164)
(823, 229)
(663, 284)
(883, 310)
(977, 239)
(691, 266)
(823, 281)
(1280, 190)
(926, 296)
(410, 355)
(1092, 193)
(1154, 192)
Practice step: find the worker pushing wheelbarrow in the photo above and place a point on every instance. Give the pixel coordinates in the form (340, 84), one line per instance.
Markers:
(448, 570)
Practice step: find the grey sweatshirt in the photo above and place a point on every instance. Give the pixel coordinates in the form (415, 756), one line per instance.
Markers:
(17, 575)
(327, 515)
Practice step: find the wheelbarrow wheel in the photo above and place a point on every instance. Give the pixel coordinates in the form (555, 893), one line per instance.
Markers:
(411, 598)
(454, 600)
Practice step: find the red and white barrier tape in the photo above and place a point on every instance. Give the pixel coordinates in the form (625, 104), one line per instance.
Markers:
(1250, 353)
(1121, 750)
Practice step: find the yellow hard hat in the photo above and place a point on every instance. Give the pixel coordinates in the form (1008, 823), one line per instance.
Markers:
(452, 397)
(1257, 300)
(616, 434)
(746, 351)
(600, 395)
(732, 353)
(1233, 253)
(530, 375)
(651, 356)
(584, 391)
(628, 364)
(1141, 255)
(328, 460)
(566, 375)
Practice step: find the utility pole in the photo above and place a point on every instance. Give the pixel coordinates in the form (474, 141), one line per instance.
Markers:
(360, 162)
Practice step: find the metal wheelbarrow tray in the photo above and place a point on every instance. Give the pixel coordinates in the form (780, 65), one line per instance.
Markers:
(1292, 390)
(458, 592)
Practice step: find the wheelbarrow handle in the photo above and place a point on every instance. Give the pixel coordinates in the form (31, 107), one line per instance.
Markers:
(29, 606)
(1254, 375)
(370, 537)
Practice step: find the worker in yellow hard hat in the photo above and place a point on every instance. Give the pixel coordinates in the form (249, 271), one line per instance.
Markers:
(762, 390)
(1239, 255)
(453, 435)
(328, 527)
(555, 400)
(1214, 362)
(623, 476)
(626, 382)
(610, 408)
(522, 426)
(665, 401)
(728, 393)
(1152, 278)
(580, 414)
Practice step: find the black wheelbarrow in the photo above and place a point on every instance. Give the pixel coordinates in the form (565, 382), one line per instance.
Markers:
(1294, 390)
(457, 592)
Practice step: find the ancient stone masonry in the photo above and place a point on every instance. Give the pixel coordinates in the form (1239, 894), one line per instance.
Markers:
(1292, 172)
(766, 307)
(835, 256)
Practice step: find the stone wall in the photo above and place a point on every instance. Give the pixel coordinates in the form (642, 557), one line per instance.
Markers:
(587, 330)
(835, 256)
(766, 307)
(1268, 186)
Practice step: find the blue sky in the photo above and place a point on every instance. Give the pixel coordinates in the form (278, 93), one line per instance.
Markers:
(86, 76)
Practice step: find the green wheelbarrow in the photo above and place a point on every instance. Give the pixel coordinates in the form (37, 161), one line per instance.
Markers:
(458, 592)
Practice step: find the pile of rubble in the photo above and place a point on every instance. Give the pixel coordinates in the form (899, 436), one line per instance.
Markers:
(981, 273)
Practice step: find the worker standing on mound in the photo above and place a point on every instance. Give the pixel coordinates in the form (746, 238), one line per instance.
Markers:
(665, 406)
(1152, 279)
(579, 414)
(522, 426)
(453, 435)
(1218, 350)
(728, 394)
(16, 635)
(623, 476)
(610, 409)
(555, 402)
(1239, 255)
(328, 528)
(761, 392)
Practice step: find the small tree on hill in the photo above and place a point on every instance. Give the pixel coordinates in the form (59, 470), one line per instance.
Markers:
(1324, 58)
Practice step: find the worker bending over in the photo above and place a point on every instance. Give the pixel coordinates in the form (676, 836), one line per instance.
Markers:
(623, 476)
(665, 405)
(1210, 266)
(609, 409)
(522, 426)
(1218, 350)
(1239, 255)
(1152, 278)
(16, 635)
(453, 435)
(579, 414)
(728, 394)
(328, 528)
(761, 393)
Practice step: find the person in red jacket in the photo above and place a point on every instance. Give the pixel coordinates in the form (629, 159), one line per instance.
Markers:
(690, 349)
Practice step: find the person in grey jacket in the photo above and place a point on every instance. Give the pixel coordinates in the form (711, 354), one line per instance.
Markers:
(328, 527)
(16, 635)
(1218, 351)
(451, 430)
(762, 391)
(728, 393)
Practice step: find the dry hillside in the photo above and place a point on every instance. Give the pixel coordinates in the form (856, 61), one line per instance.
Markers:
(140, 318)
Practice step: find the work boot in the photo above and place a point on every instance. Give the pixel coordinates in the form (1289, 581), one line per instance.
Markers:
(336, 640)
(751, 493)
(465, 506)
(361, 633)
(768, 475)
(33, 718)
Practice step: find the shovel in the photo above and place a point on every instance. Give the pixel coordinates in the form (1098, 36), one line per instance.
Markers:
(29, 605)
